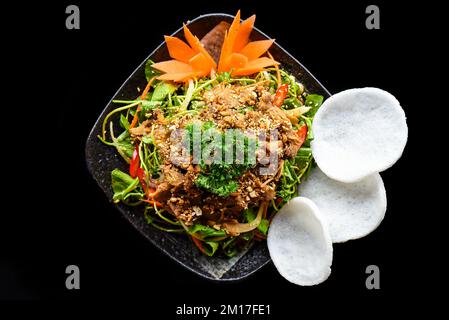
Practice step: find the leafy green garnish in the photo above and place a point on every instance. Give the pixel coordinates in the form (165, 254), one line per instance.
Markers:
(314, 101)
(224, 76)
(294, 171)
(229, 247)
(124, 123)
(263, 226)
(219, 177)
(218, 180)
(122, 143)
(122, 184)
(210, 247)
(162, 90)
(148, 140)
(205, 232)
(208, 125)
(292, 102)
(149, 105)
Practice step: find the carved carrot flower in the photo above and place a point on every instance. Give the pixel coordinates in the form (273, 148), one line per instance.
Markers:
(190, 59)
(240, 56)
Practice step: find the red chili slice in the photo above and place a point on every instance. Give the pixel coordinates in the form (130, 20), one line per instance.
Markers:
(134, 165)
(280, 95)
(142, 178)
(302, 134)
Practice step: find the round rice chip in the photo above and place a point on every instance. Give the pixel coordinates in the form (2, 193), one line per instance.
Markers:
(352, 210)
(299, 243)
(358, 132)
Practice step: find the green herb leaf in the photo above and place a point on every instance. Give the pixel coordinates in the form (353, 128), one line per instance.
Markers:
(149, 71)
(122, 143)
(208, 125)
(224, 76)
(229, 247)
(314, 101)
(162, 90)
(148, 140)
(263, 226)
(122, 184)
(124, 123)
(293, 102)
(205, 232)
(220, 177)
(249, 214)
(149, 105)
(216, 183)
(210, 247)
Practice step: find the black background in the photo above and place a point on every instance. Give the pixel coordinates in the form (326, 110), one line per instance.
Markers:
(56, 215)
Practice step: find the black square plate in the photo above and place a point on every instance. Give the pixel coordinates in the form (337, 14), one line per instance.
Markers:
(102, 159)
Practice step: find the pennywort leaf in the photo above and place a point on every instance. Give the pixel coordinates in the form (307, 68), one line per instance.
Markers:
(314, 101)
(122, 184)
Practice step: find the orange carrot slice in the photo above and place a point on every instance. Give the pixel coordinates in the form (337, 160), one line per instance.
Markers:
(172, 66)
(191, 39)
(200, 62)
(236, 61)
(178, 49)
(197, 46)
(255, 66)
(143, 96)
(243, 34)
(150, 201)
(255, 49)
(178, 77)
(224, 55)
(233, 30)
(228, 43)
(147, 89)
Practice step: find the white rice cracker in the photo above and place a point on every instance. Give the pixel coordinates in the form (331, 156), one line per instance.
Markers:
(358, 132)
(352, 210)
(299, 243)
